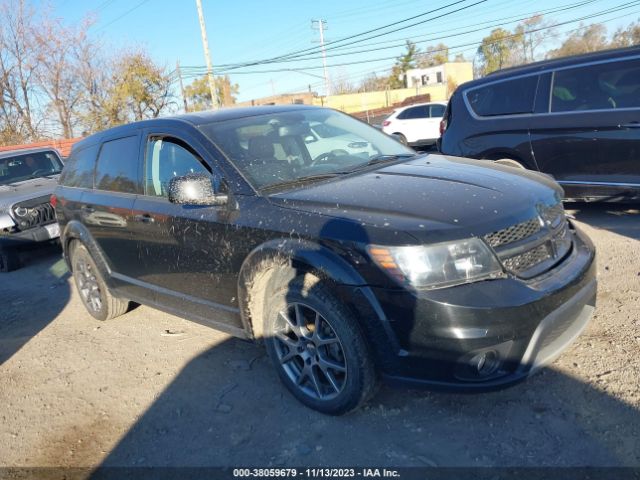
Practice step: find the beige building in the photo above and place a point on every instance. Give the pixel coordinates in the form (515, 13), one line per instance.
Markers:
(300, 98)
(459, 72)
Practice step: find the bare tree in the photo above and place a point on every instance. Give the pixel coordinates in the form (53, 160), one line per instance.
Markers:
(58, 72)
(18, 64)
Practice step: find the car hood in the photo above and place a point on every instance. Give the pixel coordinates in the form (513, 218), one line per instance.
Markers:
(432, 197)
(26, 189)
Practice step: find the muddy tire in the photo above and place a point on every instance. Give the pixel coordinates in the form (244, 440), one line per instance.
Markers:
(317, 347)
(94, 293)
(9, 260)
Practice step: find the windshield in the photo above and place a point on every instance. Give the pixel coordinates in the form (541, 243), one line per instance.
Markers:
(29, 165)
(282, 148)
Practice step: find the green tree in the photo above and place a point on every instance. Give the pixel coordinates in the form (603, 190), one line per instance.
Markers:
(496, 50)
(530, 35)
(434, 55)
(403, 63)
(585, 40)
(140, 89)
(198, 93)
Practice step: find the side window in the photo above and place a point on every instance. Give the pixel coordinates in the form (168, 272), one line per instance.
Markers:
(437, 111)
(78, 171)
(595, 87)
(509, 97)
(166, 158)
(415, 113)
(117, 169)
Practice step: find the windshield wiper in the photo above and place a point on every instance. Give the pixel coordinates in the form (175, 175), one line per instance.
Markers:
(388, 158)
(301, 180)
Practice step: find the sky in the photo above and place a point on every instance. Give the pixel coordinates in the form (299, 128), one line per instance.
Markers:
(243, 31)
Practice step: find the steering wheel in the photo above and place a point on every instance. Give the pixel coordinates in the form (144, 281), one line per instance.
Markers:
(41, 171)
(326, 157)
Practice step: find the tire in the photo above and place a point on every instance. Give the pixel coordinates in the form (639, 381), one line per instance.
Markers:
(9, 260)
(401, 138)
(510, 163)
(332, 371)
(94, 293)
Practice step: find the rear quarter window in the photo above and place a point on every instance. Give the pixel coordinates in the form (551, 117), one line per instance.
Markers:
(605, 86)
(509, 97)
(414, 113)
(79, 167)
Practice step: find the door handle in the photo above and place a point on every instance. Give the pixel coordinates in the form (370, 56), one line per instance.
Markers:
(631, 125)
(144, 218)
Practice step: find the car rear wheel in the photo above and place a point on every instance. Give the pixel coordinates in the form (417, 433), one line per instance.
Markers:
(95, 295)
(510, 163)
(317, 348)
(401, 138)
(9, 260)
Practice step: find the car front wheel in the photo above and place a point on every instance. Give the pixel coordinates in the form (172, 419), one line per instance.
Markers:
(317, 347)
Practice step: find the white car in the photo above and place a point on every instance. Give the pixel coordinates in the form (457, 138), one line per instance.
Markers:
(416, 124)
(324, 138)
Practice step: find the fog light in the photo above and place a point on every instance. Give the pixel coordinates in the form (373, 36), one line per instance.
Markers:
(485, 363)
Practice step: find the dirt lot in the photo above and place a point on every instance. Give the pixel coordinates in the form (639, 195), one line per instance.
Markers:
(152, 389)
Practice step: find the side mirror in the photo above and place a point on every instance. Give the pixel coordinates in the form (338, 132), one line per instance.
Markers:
(195, 189)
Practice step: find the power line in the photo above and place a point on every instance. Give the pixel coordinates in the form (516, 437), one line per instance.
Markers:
(316, 50)
(123, 15)
(431, 39)
(612, 10)
(585, 17)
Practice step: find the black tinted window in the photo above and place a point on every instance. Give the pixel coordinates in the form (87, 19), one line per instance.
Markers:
(605, 86)
(504, 98)
(117, 169)
(166, 158)
(415, 112)
(437, 111)
(78, 171)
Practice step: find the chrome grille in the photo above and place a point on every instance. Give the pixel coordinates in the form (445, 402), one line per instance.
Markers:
(514, 233)
(28, 215)
(534, 246)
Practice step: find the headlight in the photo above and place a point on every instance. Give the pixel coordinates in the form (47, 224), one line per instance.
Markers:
(439, 265)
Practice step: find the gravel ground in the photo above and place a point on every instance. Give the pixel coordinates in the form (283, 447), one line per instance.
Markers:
(152, 389)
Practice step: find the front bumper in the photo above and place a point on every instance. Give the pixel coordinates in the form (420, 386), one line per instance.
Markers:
(31, 236)
(522, 326)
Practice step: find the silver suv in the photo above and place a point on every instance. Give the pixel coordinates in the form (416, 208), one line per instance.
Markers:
(27, 180)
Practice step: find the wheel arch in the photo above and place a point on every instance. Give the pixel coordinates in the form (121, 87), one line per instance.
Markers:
(76, 231)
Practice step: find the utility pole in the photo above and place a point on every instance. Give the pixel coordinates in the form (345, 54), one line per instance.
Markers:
(322, 26)
(184, 97)
(205, 45)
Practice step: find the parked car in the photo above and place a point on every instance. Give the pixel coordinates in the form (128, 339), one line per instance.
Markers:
(416, 125)
(575, 118)
(422, 269)
(27, 180)
(323, 138)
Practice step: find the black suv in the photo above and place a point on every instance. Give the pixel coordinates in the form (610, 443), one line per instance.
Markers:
(422, 269)
(27, 180)
(575, 118)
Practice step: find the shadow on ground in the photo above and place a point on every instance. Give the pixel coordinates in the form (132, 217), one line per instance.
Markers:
(227, 408)
(23, 315)
(623, 219)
